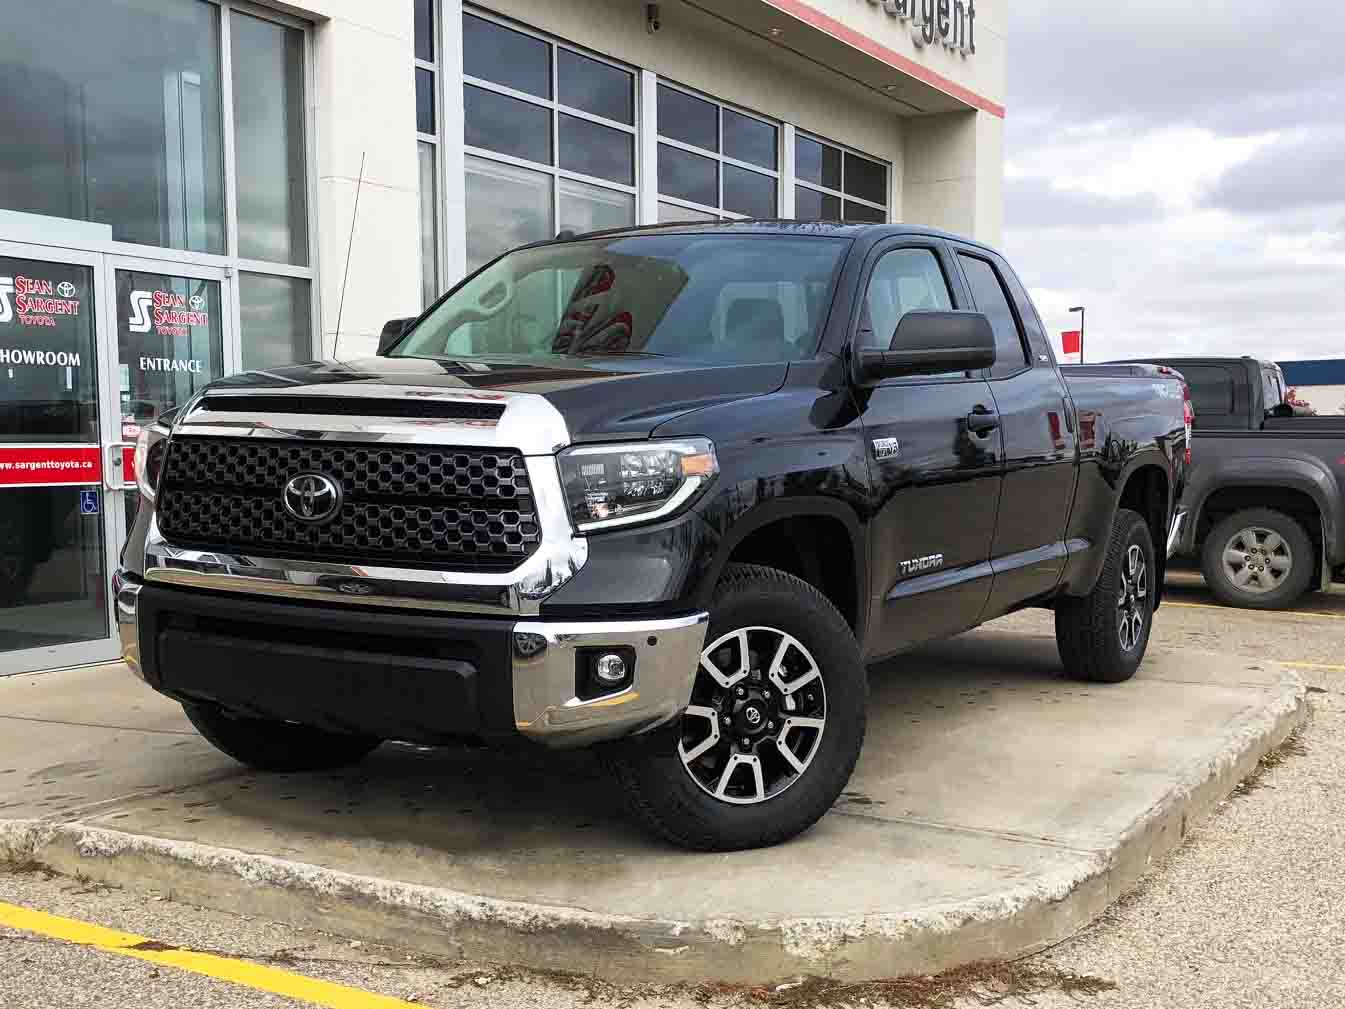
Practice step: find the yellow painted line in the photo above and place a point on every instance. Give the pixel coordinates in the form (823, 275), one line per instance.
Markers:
(1313, 665)
(239, 972)
(1273, 614)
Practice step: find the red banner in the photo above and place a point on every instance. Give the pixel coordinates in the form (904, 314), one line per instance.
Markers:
(49, 465)
(1071, 341)
(128, 466)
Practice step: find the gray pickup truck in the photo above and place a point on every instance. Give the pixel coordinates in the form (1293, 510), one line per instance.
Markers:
(1264, 508)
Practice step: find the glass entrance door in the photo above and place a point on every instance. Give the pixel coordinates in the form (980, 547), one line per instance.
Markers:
(170, 338)
(56, 543)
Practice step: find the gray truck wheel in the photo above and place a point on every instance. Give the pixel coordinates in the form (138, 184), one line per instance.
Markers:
(1258, 559)
(1102, 636)
(774, 728)
(277, 746)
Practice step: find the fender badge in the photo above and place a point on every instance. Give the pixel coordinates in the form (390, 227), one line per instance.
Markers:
(886, 448)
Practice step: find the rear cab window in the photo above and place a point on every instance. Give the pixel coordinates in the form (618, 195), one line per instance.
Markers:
(1212, 388)
(992, 300)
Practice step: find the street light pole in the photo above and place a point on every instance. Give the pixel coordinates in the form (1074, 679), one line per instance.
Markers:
(1079, 309)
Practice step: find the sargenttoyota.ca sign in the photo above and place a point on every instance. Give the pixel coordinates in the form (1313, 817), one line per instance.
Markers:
(49, 465)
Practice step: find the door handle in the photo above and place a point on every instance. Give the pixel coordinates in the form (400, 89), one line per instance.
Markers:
(982, 421)
(116, 454)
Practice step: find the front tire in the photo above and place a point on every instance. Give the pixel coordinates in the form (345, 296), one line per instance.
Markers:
(1103, 636)
(774, 728)
(277, 746)
(1258, 559)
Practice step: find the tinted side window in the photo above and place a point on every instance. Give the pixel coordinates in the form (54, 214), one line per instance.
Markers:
(905, 280)
(991, 299)
(1211, 389)
(1274, 394)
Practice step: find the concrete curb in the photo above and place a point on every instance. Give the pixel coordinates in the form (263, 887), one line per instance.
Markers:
(1018, 919)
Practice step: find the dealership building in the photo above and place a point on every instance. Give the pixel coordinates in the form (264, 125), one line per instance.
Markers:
(190, 188)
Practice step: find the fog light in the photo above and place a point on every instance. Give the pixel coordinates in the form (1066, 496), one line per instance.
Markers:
(602, 671)
(610, 669)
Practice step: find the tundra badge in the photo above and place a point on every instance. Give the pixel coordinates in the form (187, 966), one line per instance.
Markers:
(886, 448)
(930, 563)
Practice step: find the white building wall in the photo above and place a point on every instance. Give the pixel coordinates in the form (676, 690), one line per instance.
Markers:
(1325, 399)
(365, 109)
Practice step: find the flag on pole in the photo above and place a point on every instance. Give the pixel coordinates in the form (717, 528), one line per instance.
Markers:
(1071, 341)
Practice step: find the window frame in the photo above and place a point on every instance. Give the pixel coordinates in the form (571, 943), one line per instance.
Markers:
(719, 156)
(840, 193)
(991, 260)
(556, 109)
(960, 297)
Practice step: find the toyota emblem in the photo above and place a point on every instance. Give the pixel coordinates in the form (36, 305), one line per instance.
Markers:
(753, 716)
(311, 497)
(197, 302)
(65, 289)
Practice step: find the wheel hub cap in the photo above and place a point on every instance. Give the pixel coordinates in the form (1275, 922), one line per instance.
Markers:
(1257, 560)
(758, 710)
(1133, 599)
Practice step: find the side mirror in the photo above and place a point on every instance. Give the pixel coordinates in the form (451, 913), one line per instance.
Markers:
(393, 331)
(930, 343)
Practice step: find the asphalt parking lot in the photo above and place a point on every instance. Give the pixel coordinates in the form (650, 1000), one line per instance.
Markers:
(1244, 913)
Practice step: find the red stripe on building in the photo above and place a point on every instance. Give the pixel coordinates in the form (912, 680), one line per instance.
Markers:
(828, 24)
(50, 465)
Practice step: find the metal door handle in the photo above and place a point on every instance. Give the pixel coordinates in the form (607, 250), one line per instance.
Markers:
(981, 421)
(115, 454)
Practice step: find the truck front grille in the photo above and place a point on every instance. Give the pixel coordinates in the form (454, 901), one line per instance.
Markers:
(457, 508)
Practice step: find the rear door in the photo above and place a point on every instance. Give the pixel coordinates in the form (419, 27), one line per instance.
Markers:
(935, 465)
(1028, 554)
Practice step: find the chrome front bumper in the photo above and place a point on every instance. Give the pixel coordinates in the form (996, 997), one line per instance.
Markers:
(544, 669)
(1177, 531)
(546, 708)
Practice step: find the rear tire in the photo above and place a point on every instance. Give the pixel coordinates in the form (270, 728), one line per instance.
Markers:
(718, 778)
(1103, 636)
(277, 746)
(1258, 559)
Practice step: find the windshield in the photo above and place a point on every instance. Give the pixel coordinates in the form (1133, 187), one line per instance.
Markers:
(719, 298)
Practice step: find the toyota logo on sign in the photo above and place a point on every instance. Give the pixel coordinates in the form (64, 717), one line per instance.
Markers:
(65, 289)
(311, 497)
(197, 302)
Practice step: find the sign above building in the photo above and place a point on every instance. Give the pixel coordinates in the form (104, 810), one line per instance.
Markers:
(949, 23)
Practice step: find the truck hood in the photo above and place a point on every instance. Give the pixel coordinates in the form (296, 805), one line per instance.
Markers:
(600, 398)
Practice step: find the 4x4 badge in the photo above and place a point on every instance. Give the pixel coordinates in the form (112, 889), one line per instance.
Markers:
(886, 448)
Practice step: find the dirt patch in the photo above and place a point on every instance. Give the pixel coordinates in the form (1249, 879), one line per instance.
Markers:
(1293, 746)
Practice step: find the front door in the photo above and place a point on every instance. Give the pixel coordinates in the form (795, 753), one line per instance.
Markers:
(935, 459)
(169, 343)
(57, 534)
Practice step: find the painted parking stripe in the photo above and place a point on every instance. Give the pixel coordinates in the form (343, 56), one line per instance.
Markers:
(239, 972)
(1313, 665)
(1280, 614)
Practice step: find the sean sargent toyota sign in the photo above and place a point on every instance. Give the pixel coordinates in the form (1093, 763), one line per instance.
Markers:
(950, 23)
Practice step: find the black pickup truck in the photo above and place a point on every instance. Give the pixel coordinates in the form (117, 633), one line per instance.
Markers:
(1264, 508)
(666, 490)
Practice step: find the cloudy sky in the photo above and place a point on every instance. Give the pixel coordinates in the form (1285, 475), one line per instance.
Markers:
(1179, 168)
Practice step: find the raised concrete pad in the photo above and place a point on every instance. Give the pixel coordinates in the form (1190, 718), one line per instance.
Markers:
(998, 807)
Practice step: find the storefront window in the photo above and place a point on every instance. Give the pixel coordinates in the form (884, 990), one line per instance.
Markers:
(111, 114)
(276, 320)
(837, 185)
(268, 99)
(713, 159)
(429, 232)
(541, 159)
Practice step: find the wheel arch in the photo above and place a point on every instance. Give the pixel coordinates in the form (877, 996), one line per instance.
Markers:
(819, 540)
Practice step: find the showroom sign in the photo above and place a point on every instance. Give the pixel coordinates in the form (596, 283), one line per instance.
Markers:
(166, 312)
(33, 301)
(950, 23)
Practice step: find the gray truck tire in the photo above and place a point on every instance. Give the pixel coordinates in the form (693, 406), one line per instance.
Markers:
(277, 746)
(1102, 636)
(1258, 559)
(718, 779)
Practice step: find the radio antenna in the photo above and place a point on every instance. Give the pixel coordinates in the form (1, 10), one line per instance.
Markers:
(341, 304)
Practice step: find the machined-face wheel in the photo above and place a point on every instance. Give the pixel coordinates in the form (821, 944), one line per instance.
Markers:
(1132, 602)
(1257, 560)
(756, 718)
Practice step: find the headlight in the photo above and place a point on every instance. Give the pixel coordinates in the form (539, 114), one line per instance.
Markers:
(619, 485)
(150, 448)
